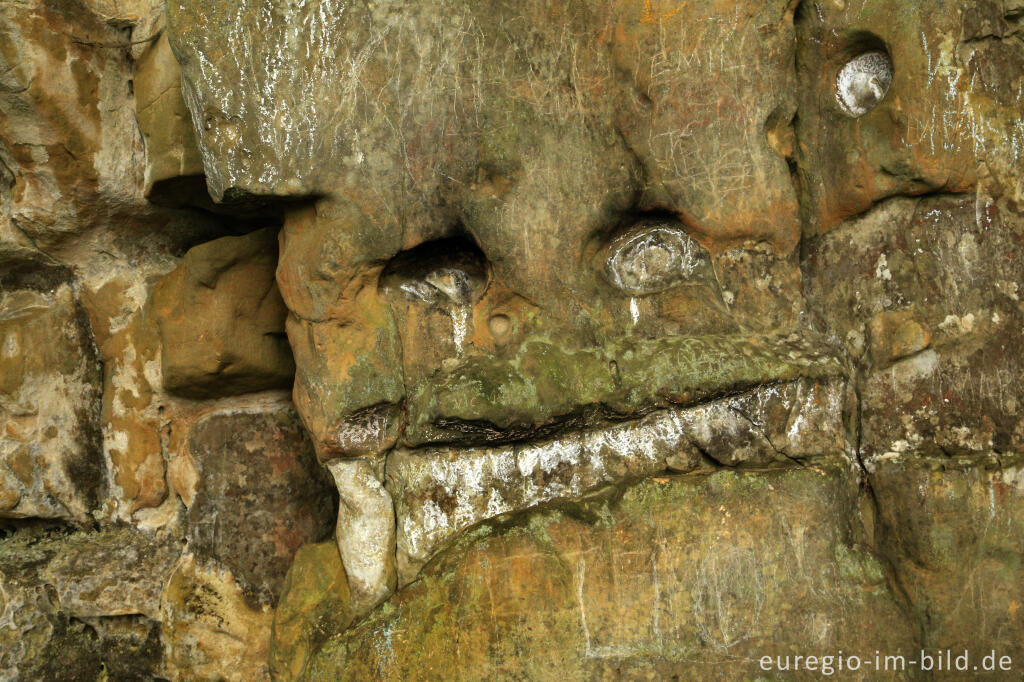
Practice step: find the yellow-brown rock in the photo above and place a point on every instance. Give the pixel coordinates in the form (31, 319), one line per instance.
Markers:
(314, 605)
(51, 461)
(695, 577)
(174, 168)
(209, 631)
(221, 320)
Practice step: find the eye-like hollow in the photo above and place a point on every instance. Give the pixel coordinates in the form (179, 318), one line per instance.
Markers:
(653, 256)
(863, 82)
(444, 273)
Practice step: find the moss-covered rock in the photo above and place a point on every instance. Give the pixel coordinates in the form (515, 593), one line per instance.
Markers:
(314, 606)
(697, 576)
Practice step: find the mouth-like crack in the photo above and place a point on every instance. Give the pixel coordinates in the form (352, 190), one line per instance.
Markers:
(440, 492)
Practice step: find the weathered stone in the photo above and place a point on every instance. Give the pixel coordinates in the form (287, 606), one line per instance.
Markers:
(67, 129)
(696, 576)
(954, 534)
(365, 531)
(131, 421)
(314, 606)
(115, 573)
(51, 464)
(539, 188)
(548, 387)
(260, 496)
(932, 128)
(641, 339)
(247, 150)
(895, 335)
(74, 604)
(173, 165)
(908, 276)
(209, 631)
(222, 320)
(439, 493)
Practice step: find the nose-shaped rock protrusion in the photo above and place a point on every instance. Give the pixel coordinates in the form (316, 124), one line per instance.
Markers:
(447, 276)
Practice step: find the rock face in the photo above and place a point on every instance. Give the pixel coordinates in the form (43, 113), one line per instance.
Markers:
(221, 320)
(66, 141)
(437, 496)
(74, 605)
(938, 362)
(257, 472)
(522, 339)
(211, 631)
(314, 605)
(173, 164)
(692, 576)
(50, 460)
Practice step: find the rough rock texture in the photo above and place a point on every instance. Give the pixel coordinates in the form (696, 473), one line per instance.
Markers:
(73, 605)
(63, 120)
(949, 108)
(954, 532)
(905, 281)
(50, 463)
(259, 496)
(209, 629)
(365, 531)
(638, 338)
(221, 320)
(692, 576)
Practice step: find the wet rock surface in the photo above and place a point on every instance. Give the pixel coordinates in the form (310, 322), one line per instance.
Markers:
(439, 493)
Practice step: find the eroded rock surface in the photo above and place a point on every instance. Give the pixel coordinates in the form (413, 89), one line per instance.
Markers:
(439, 493)
(630, 338)
(73, 605)
(259, 496)
(692, 576)
(210, 630)
(50, 458)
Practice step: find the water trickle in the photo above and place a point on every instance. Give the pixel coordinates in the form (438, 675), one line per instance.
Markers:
(462, 316)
